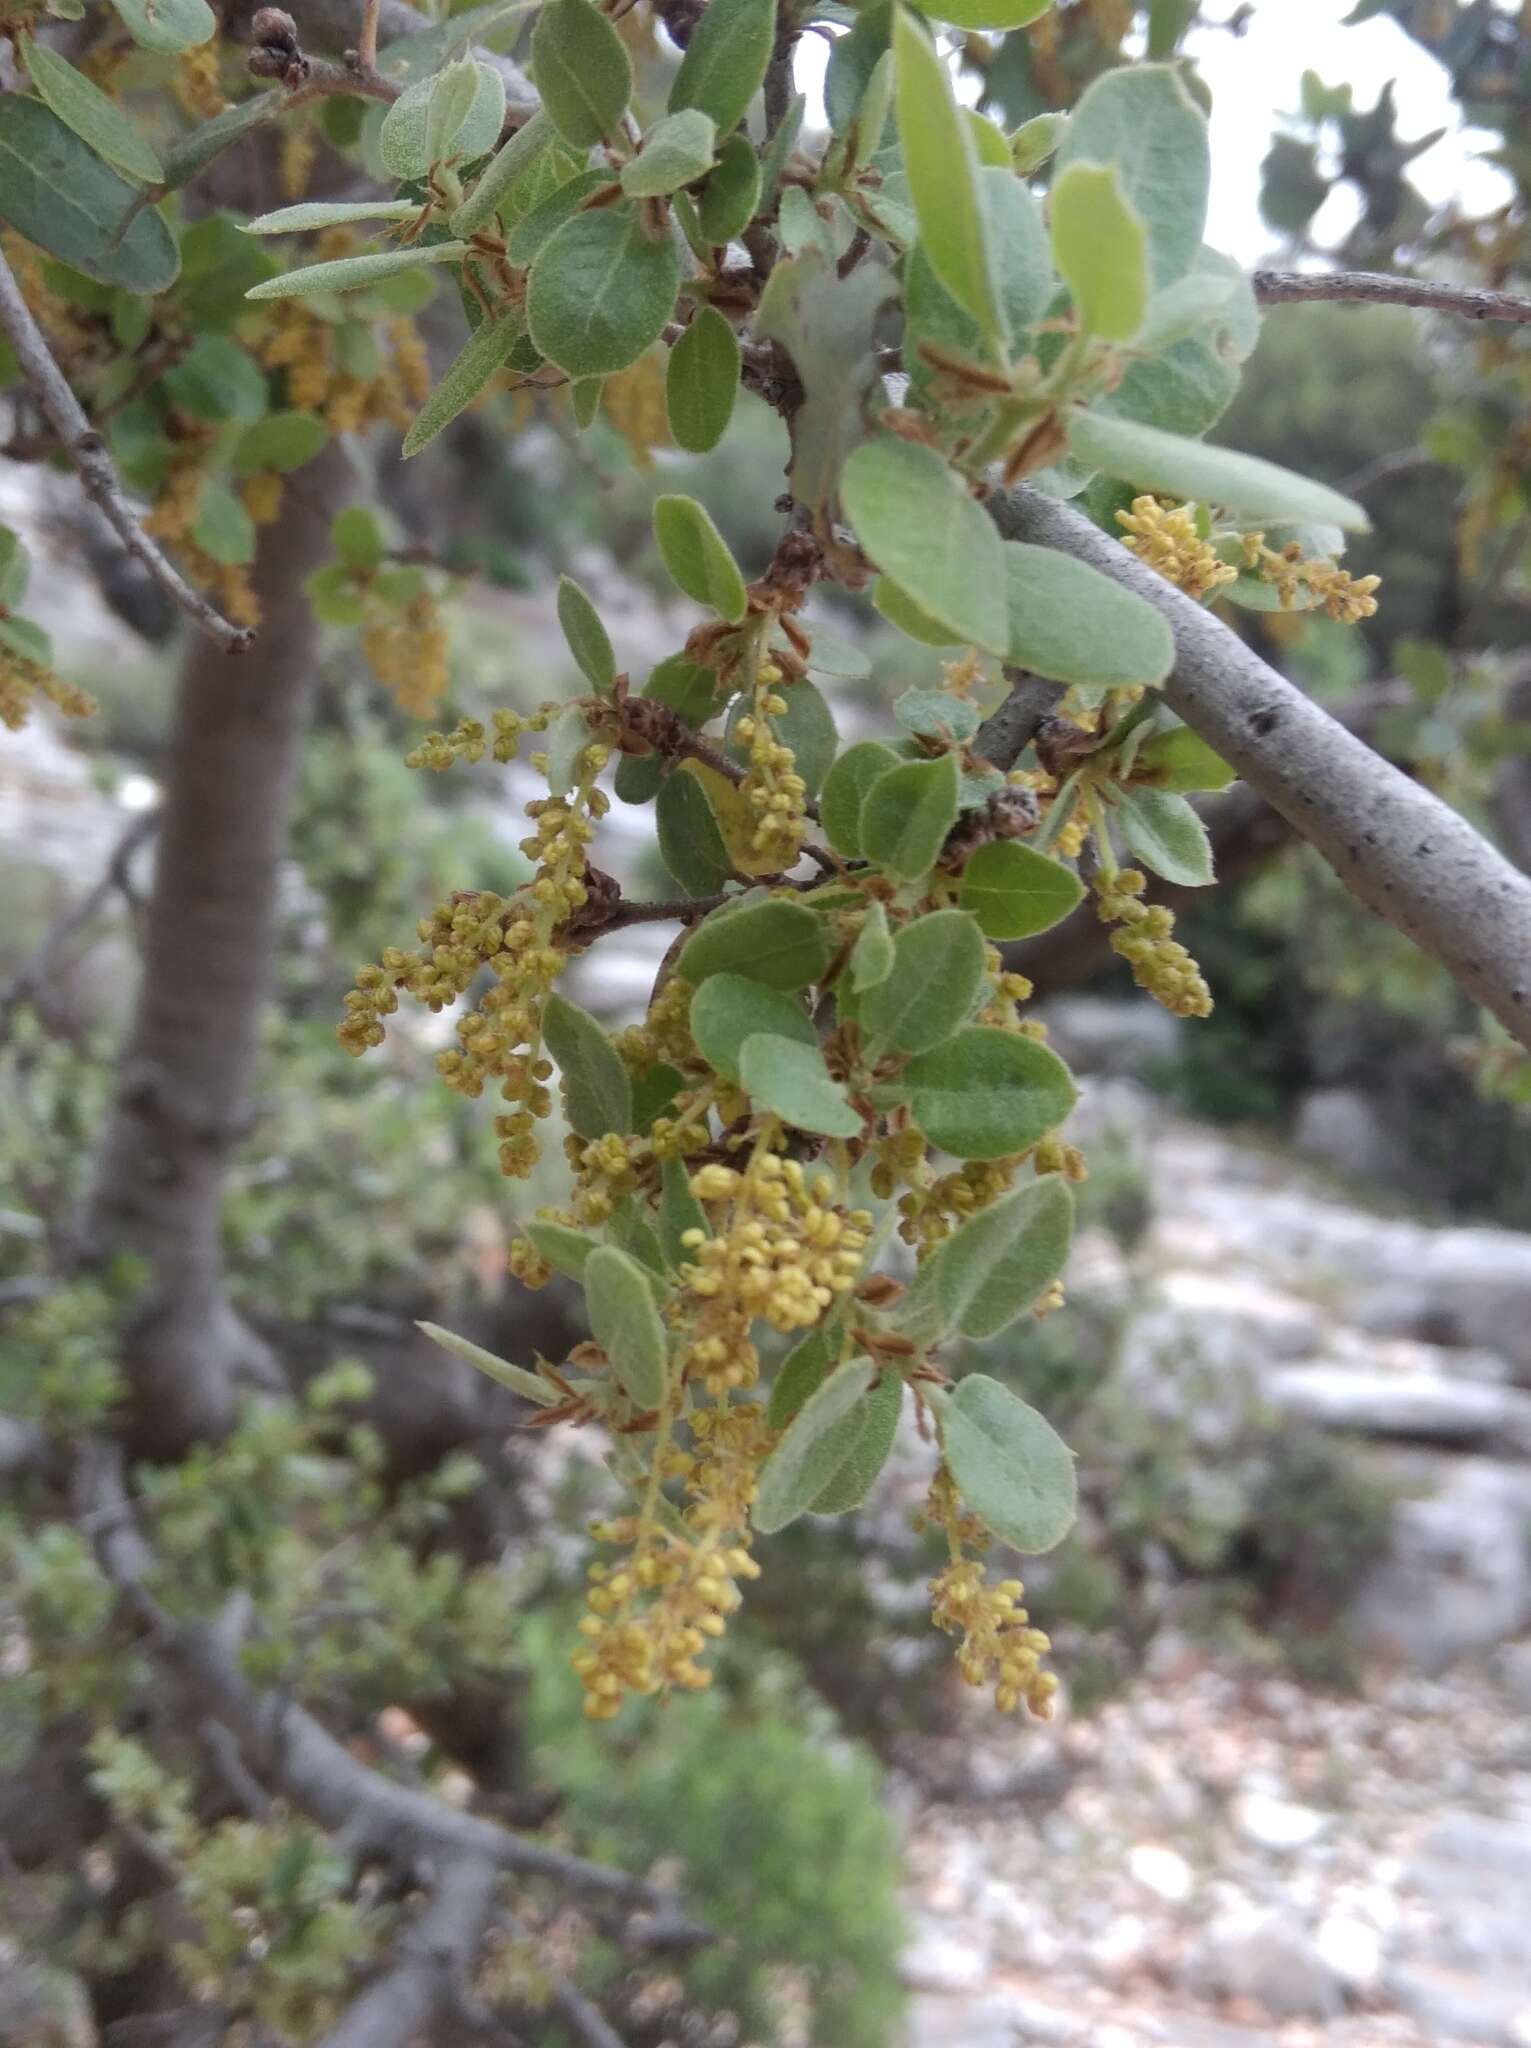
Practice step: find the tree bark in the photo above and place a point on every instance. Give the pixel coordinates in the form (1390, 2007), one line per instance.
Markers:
(183, 1100)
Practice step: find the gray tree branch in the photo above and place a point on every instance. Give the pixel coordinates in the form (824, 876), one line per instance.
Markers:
(1403, 852)
(87, 451)
(434, 1960)
(1379, 288)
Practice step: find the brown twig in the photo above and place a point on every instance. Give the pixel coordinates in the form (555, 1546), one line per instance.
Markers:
(87, 451)
(1010, 728)
(33, 973)
(1378, 288)
(366, 42)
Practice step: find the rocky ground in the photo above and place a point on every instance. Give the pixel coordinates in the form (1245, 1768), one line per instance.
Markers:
(1226, 1860)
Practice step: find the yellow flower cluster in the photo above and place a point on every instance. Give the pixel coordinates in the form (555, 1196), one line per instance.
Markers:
(772, 787)
(784, 1250)
(933, 1212)
(296, 340)
(1159, 963)
(407, 652)
(1166, 539)
(653, 1616)
(997, 1641)
(468, 740)
(196, 82)
(173, 515)
(23, 680)
(665, 1033)
(262, 496)
(1347, 599)
(605, 1169)
(634, 401)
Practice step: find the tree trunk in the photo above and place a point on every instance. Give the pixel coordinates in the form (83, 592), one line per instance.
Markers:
(183, 1099)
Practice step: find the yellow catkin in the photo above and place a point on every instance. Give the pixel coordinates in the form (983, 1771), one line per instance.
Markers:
(299, 153)
(1165, 537)
(196, 81)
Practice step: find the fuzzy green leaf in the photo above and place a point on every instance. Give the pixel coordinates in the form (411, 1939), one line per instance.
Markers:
(314, 214)
(1010, 1465)
(691, 842)
(1101, 250)
(702, 382)
(994, 1267)
(987, 1093)
(81, 105)
(731, 194)
(775, 941)
(676, 152)
(816, 1445)
(527, 1384)
(514, 157)
(597, 1094)
(725, 61)
(168, 26)
(1072, 624)
(1246, 486)
(405, 140)
(807, 726)
(698, 557)
(916, 519)
(482, 354)
(872, 956)
(601, 291)
(804, 1369)
(583, 72)
(938, 969)
(1181, 760)
(1000, 14)
(1014, 891)
(588, 639)
(351, 273)
(790, 1080)
(624, 1318)
(941, 164)
(564, 1249)
(727, 1009)
(1165, 834)
(845, 790)
(907, 813)
(57, 192)
(1142, 120)
(679, 1212)
(876, 1427)
(542, 220)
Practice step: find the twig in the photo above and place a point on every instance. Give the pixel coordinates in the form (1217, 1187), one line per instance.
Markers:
(86, 449)
(1010, 728)
(1407, 855)
(33, 973)
(587, 2021)
(370, 1813)
(1378, 288)
(1382, 469)
(432, 1962)
(366, 42)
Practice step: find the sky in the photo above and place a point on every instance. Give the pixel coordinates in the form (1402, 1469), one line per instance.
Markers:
(1254, 80)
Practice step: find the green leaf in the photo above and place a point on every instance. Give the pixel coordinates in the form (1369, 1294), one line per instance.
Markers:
(1014, 891)
(510, 160)
(818, 1441)
(675, 152)
(405, 140)
(588, 640)
(938, 969)
(328, 213)
(876, 1421)
(1168, 21)
(601, 292)
(725, 61)
(358, 537)
(691, 842)
(1035, 141)
(1181, 760)
(422, 52)
(564, 1249)
(702, 382)
(26, 638)
(1072, 624)
(845, 790)
(568, 739)
(15, 569)
(529, 1385)
(853, 58)
(727, 1009)
(222, 527)
(58, 193)
(804, 1369)
(218, 380)
(731, 194)
(1246, 486)
(776, 941)
(351, 273)
(1165, 834)
(679, 1212)
(451, 100)
(831, 656)
(282, 441)
(936, 715)
(205, 143)
(597, 1095)
(1002, 14)
(906, 617)
(871, 960)
(1142, 120)
(1010, 1465)
(698, 557)
(168, 26)
(790, 1080)
(84, 107)
(1101, 250)
(583, 72)
(994, 1267)
(542, 221)
(482, 354)
(1023, 267)
(987, 1093)
(624, 1318)
(907, 813)
(941, 164)
(916, 519)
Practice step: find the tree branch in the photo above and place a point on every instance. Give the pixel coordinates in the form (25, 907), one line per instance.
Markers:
(371, 1814)
(87, 451)
(433, 1960)
(1378, 288)
(33, 974)
(1403, 852)
(1011, 727)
